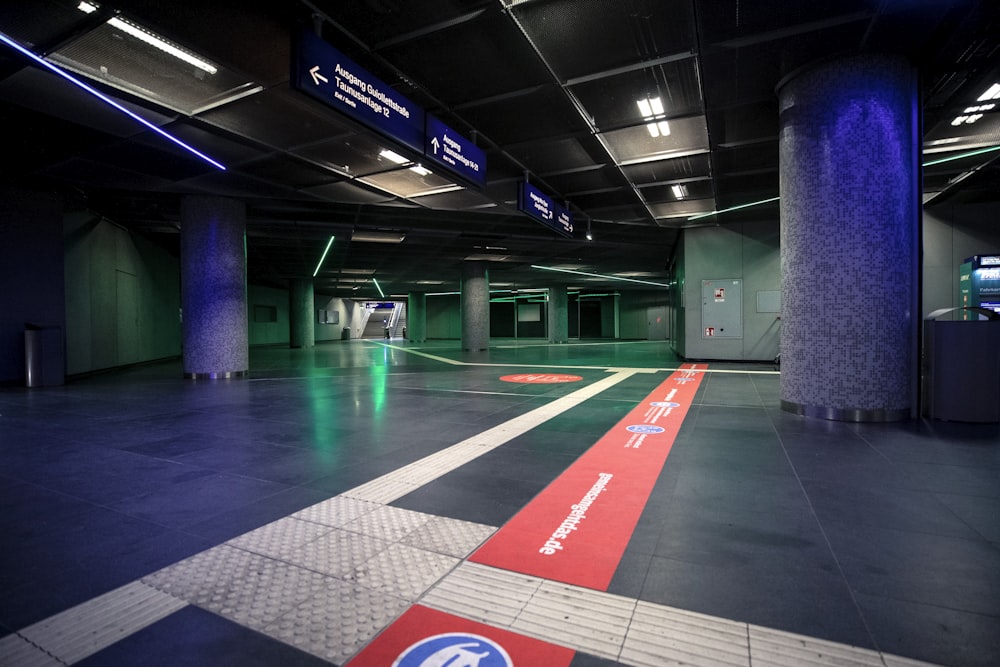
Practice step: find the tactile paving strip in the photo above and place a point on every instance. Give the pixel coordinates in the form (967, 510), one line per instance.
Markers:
(483, 593)
(661, 635)
(96, 624)
(16, 650)
(785, 649)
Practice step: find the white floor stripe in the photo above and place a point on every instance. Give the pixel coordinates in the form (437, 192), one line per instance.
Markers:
(96, 624)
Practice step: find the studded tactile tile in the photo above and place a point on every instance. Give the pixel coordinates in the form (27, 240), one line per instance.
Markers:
(449, 536)
(338, 552)
(403, 571)
(16, 650)
(336, 623)
(661, 635)
(336, 512)
(263, 591)
(196, 579)
(280, 538)
(388, 523)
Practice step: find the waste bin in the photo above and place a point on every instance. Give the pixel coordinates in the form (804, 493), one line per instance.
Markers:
(961, 367)
(345, 334)
(44, 359)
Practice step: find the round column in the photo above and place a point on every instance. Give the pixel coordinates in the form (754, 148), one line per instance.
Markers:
(213, 287)
(558, 314)
(301, 320)
(416, 317)
(475, 307)
(849, 150)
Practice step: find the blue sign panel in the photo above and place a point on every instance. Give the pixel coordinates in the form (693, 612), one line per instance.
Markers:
(334, 79)
(454, 152)
(531, 201)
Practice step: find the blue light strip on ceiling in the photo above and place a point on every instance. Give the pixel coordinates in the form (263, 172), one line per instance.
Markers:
(107, 100)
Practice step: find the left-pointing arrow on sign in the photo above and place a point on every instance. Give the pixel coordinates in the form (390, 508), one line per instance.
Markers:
(317, 77)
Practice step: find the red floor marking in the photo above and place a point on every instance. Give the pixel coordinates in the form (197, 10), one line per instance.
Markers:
(540, 378)
(425, 636)
(576, 530)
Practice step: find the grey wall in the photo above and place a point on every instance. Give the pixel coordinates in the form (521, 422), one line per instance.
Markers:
(268, 333)
(748, 252)
(952, 233)
(122, 297)
(633, 308)
(350, 314)
(31, 272)
(444, 317)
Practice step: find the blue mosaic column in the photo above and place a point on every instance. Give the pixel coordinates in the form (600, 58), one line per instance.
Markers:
(849, 149)
(416, 317)
(214, 287)
(558, 314)
(475, 307)
(301, 318)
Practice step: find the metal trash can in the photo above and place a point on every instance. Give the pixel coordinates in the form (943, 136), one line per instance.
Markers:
(44, 359)
(961, 367)
(345, 334)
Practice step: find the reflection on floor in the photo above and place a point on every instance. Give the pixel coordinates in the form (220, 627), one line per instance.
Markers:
(287, 518)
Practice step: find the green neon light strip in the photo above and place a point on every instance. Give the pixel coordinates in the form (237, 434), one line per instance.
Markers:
(598, 275)
(321, 259)
(961, 155)
(380, 292)
(734, 208)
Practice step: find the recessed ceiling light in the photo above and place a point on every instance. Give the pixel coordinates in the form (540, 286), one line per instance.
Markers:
(992, 93)
(393, 156)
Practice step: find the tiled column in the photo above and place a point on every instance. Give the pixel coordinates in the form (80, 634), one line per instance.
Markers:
(214, 287)
(849, 149)
(301, 322)
(558, 314)
(416, 317)
(475, 306)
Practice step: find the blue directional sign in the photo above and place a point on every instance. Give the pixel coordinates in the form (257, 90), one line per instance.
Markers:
(325, 73)
(531, 201)
(454, 152)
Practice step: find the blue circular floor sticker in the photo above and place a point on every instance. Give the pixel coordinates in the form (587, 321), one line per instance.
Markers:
(645, 428)
(665, 404)
(454, 649)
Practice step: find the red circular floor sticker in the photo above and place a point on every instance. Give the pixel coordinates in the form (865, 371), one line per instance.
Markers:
(540, 378)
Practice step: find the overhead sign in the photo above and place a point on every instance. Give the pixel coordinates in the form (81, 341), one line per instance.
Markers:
(328, 75)
(448, 148)
(531, 201)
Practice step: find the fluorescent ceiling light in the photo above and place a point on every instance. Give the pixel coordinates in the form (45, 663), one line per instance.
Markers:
(644, 108)
(961, 155)
(154, 40)
(734, 208)
(437, 191)
(379, 288)
(992, 93)
(598, 275)
(325, 250)
(418, 169)
(679, 191)
(981, 107)
(652, 112)
(107, 100)
(378, 237)
(393, 156)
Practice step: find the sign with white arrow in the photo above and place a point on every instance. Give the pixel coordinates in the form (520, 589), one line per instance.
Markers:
(446, 147)
(532, 202)
(328, 75)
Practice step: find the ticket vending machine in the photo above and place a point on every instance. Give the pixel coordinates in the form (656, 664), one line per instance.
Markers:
(979, 284)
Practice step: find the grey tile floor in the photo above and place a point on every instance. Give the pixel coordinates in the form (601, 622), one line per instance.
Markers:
(883, 537)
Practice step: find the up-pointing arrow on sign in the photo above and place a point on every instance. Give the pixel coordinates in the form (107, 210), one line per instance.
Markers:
(436, 144)
(317, 77)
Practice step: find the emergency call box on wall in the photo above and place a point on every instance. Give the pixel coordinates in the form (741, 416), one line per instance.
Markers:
(722, 308)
